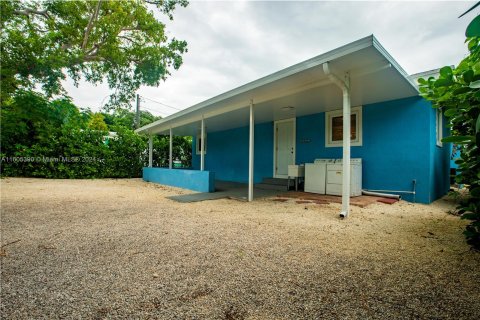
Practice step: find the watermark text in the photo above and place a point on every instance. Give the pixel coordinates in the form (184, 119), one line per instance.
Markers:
(60, 159)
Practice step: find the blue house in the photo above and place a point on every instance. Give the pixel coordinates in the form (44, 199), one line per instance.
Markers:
(304, 112)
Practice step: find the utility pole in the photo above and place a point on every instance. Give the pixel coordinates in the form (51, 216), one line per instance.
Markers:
(137, 113)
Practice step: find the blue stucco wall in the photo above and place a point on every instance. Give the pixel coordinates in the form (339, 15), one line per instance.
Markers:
(439, 160)
(227, 153)
(397, 148)
(202, 181)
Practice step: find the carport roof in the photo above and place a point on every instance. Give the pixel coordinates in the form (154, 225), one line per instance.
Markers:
(298, 90)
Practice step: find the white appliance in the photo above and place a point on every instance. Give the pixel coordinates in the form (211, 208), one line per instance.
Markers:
(334, 177)
(315, 175)
(296, 171)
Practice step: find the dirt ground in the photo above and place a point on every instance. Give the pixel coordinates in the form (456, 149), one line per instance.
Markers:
(98, 249)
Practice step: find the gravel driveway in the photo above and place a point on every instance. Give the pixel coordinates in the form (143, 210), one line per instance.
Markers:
(96, 249)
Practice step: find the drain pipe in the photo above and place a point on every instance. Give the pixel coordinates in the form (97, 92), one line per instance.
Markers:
(344, 85)
(381, 194)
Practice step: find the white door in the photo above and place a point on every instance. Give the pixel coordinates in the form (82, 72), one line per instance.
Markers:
(284, 147)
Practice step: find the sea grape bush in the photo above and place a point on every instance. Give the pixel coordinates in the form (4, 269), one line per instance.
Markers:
(456, 92)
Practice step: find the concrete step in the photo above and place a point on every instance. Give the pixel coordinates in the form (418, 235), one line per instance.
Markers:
(277, 181)
(267, 186)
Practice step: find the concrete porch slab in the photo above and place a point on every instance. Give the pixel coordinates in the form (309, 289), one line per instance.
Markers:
(225, 189)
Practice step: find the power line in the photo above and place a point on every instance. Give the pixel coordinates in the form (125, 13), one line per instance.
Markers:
(155, 110)
(161, 103)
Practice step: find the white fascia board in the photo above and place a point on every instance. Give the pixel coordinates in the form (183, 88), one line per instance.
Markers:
(394, 63)
(159, 125)
(430, 73)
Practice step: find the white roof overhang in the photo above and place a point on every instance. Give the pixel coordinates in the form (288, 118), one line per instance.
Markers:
(298, 90)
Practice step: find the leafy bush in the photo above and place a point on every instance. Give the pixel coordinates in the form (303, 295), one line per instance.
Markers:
(182, 150)
(457, 93)
(55, 140)
(127, 155)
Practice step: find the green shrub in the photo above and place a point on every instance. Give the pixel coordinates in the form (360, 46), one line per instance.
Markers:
(457, 93)
(54, 140)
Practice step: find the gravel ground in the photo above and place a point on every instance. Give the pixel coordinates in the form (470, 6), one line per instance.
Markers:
(100, 249)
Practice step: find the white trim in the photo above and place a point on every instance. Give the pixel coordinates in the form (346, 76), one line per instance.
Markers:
(328, 127)
(294, 129)
(439, 127)
(425, 74)
(240, 105)
(376, 44)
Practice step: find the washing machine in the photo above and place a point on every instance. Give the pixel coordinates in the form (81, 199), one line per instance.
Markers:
(334, 177)
(315, 175)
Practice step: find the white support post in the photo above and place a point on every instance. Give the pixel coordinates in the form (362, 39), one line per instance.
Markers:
(202, 146)
(250, 153)
(170, 153)
(346, 148)
(150, 151)
(345, 86)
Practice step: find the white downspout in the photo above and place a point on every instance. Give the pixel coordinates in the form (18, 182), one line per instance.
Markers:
(345, 86)
(150, 151)
(202, 146)
(346, 148)
(170, 153)
(250, 153)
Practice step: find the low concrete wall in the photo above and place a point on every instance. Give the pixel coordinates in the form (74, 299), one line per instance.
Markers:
(202, 181)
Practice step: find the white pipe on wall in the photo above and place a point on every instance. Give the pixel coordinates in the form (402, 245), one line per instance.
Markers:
(170, 158)
(250, 153)
(398, 191)
(346, 149)
(150, 151)
(413, 192)
(345, 86)
(378, 194)
(202, 146)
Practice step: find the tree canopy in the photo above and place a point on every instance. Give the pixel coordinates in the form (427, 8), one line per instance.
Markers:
(97, 122)
(120, 42)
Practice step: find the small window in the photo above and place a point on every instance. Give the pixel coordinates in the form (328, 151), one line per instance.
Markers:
(199, 143)
(439, 126)
(334, 128)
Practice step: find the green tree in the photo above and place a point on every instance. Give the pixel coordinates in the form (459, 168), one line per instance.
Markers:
(125, 118)
(97, 123)
(456, 92)
(128, 155)
(66, 113)
(182, 150)
(121, 42)
(35, 128)
(31, 117)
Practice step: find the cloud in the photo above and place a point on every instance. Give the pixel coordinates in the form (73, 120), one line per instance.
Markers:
(232, 43)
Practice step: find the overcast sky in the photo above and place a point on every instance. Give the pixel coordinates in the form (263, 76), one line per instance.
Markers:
(232, 43)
